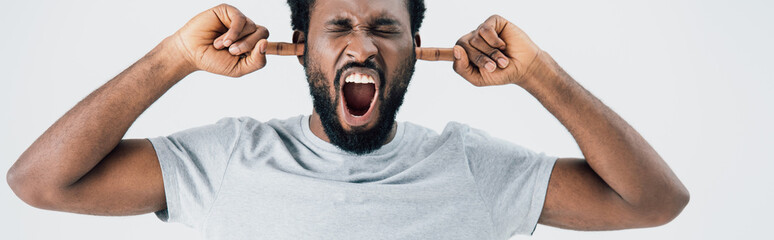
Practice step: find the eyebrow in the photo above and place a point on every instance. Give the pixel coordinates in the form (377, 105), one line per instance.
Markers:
(342, 22)
(384, 21)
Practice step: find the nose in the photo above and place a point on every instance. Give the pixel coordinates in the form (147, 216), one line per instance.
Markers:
(361, 47)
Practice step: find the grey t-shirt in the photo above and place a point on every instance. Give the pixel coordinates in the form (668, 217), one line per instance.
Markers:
(243, 179)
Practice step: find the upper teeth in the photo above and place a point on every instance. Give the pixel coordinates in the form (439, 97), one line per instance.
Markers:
(359, 78)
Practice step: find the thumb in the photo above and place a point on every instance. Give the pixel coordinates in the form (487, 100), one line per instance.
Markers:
(462, 64)
(257, 57)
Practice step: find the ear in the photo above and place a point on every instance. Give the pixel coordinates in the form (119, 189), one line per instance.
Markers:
(299, 38)
(417, 40)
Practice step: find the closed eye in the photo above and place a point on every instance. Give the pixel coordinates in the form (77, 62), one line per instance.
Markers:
(338, 30)
(386, 30)
(385, 26)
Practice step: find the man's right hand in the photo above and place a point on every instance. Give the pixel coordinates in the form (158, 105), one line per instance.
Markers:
(81, 163)
(223, 41)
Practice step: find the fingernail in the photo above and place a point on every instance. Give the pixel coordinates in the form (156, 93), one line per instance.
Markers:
(490, 66)
(457, 54)
(262, 48)
(219, 41)
(503, 62)
(233, 50)
(226, 42)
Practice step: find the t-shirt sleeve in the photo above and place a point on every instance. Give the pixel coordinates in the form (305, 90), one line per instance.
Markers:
(511, 179)
(193, 163)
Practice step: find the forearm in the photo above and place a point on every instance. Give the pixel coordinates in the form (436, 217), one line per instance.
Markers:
(612, 148)
(77, 142)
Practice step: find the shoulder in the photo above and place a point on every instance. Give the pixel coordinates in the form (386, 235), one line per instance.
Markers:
(451, 138)
(461, 131)
(477, 141)
(452, 131)
(456, 128)
(253, 132)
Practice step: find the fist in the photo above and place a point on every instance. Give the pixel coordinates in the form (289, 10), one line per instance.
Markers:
(496, 53)
(223, 41)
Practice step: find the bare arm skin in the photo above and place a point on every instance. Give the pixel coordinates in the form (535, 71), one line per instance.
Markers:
(81, 164)
(622, 182)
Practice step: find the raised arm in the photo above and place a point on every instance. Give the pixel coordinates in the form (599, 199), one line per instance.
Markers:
(81, 164)
(622, 183)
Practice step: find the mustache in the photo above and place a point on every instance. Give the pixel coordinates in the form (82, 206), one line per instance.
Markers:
(368, 63)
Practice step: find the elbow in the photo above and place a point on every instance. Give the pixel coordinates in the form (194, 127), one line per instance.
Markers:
(25, 188)
(671, 207)
(679, 202)
(15, 182)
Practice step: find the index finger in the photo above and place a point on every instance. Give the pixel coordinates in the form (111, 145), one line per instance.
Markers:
(435, 54)
(284, 49)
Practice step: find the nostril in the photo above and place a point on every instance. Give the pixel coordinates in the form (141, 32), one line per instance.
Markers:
(360, 52)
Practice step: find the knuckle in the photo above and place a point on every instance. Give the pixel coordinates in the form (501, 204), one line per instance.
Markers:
(480, 30)
(262, 30)
(249, 24)
(494, 53)
(480, 60)
(475, 41)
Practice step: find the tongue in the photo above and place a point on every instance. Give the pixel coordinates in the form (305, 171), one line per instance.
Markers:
(358, 97)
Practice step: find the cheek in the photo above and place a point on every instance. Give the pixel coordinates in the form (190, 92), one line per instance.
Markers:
(398, 58)
(324, 52)
(395, 53)
(322, 64)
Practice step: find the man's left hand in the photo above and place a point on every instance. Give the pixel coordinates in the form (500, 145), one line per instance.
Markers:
(496, 53)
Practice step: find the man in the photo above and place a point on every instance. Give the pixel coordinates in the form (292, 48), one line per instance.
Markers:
(347, 171)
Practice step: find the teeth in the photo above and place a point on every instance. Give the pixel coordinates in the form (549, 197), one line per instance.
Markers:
(359, 78)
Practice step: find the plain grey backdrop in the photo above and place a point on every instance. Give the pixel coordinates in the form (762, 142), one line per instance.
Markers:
(694, 77)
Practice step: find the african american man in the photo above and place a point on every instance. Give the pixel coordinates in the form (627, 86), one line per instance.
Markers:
(348, 170)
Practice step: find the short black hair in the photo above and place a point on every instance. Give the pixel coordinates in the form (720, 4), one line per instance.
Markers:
(300, 10)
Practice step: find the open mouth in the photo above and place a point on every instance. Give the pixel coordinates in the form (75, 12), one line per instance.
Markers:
(359, 92)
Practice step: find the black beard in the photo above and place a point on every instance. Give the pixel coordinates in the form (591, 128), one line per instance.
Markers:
(358, 141)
